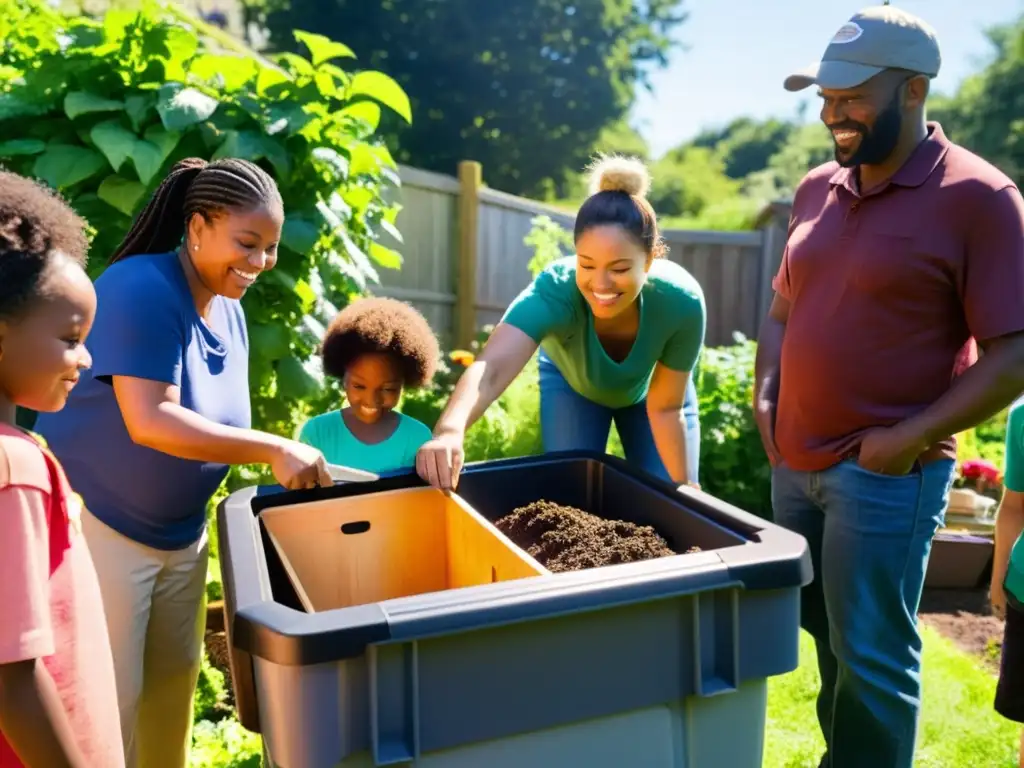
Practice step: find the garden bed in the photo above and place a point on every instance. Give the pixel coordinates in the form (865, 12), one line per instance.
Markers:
(964, 616)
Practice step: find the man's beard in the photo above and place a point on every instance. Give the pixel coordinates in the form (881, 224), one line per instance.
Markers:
(877, 143)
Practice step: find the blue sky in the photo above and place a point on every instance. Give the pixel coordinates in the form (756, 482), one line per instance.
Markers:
(739, 52)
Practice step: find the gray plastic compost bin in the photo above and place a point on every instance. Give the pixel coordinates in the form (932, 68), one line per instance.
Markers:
(657, 664)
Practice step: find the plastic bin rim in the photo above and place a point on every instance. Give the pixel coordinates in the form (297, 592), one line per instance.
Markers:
(774, 559)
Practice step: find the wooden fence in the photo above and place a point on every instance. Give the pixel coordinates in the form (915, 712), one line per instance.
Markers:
(464, 259)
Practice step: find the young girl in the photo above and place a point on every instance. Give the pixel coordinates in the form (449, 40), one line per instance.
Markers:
(58, 699)
(375, 347)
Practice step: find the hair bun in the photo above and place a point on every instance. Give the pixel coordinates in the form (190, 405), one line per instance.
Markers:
(615, 173)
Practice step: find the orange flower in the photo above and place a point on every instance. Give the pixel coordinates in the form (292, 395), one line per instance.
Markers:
(461, 357)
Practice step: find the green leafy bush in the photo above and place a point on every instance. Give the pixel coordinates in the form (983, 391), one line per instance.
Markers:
(733, 465)
(101, 110)
(224, 744)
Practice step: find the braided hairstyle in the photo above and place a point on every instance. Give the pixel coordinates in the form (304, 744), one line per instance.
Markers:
(36, 227)
(196, 187)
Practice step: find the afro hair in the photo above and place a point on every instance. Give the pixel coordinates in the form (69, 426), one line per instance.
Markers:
(382, 326)
(35, 224)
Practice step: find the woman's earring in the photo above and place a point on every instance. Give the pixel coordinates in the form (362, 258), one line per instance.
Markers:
(195, 247)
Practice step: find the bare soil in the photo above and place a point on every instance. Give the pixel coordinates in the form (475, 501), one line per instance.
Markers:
(568, 539)
(965, 617)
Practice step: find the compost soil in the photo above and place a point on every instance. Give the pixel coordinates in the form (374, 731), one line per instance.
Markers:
(568, 539)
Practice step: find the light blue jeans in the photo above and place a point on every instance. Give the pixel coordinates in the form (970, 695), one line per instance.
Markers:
(569, 421)
(870, 536)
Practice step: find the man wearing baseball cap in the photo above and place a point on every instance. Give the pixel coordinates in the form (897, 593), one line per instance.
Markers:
(902, 255)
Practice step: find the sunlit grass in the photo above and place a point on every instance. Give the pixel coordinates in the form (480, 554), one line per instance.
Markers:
(958, 724)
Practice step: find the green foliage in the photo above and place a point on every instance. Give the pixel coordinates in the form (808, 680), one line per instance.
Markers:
(211, 695)
(549, 240)
(224, 744)
(510, 427)
(524, 87)
(101, 110)
(733, 465)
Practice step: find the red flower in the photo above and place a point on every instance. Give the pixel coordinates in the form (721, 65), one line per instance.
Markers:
(976, 469)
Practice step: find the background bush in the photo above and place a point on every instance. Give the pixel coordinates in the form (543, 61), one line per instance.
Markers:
(101, 111)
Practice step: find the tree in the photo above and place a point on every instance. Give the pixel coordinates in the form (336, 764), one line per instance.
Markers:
(523, 86)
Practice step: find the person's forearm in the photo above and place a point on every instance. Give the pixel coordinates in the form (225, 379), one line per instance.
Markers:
(478, 387)
(987, 387)
(1009, 525)
(767, 361)
(33, 719)
(175, 430)
(669, 430)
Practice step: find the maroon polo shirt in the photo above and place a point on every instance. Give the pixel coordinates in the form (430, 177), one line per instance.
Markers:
(888, 292)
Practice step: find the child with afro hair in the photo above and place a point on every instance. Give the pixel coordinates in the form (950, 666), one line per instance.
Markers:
(376, 347)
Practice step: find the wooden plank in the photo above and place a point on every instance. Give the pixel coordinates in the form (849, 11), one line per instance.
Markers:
(470, 179)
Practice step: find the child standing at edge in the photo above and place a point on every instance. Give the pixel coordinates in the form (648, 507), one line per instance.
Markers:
(1008, 575)
(376, 347)
(58, 700)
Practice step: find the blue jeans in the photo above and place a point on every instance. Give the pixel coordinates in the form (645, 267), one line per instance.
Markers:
(870, 536)
(569, 421)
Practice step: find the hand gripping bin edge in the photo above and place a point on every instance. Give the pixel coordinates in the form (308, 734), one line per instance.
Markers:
(744, 588)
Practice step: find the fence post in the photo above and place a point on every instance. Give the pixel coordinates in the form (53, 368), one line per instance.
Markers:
(470, 180)
(773, 223)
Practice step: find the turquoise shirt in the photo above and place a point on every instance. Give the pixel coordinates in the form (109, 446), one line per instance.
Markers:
(1013, 479)
(553, 312)
(332, 437)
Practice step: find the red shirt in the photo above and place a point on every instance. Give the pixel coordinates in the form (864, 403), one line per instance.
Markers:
(50, 606)
(887, 292)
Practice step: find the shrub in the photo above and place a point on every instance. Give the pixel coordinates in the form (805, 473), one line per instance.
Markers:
(101, 110)
(733, 465)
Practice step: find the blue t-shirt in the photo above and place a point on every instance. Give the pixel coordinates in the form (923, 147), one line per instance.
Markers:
(147, 327)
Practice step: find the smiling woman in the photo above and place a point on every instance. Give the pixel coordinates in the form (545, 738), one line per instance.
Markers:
(619, 329)
(149, 434)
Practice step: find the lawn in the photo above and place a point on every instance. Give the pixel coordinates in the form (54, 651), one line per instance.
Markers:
(958, 726)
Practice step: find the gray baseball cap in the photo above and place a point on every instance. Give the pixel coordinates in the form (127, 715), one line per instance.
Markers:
(875, 39)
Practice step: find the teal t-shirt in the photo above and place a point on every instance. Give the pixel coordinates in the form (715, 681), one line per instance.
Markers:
(329, 433)
(553, 312)
(1013, 479)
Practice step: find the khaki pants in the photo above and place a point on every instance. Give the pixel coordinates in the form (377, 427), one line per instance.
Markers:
(155, 607)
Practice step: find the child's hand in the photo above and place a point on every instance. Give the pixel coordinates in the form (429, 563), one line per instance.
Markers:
(297, 465)
(439, 461)
(998, 597)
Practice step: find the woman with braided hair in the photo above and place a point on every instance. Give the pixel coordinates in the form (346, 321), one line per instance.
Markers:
(148, 435)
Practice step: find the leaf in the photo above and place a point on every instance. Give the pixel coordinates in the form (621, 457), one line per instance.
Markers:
(333, 160)
(78, 103)
(363, 160)
(358, 257)
(270, 340)
(136, 106)
(293, 380)
(382, 88)
(385, 256)
(391, 229)
(299, 235)
(268, 78)
(295, 63)
(64, 165)
(232, 72)
(16, 147)
(113, 140)
(365, 111)
(148, 155)
(181, 107)
(250, 145)
(123, 194)
(322, 48)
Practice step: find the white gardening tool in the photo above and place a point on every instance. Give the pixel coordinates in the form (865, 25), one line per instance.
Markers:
(340, 474)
